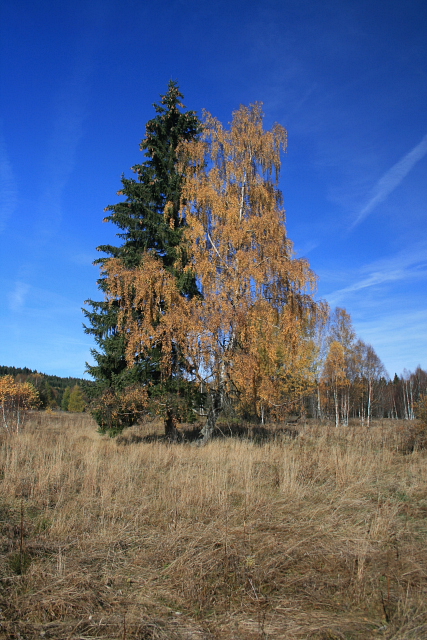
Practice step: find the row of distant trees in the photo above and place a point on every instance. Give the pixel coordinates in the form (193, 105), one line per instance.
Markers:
(206, 309)
(369, 397)
(351, 380)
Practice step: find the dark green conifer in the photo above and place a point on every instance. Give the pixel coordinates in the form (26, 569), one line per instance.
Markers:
(148, 220)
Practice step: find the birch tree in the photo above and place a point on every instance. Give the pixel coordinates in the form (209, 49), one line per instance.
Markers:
(16, 399)
(335, 381)
(372, 371)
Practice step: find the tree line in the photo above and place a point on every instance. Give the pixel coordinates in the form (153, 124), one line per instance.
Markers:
(207, 310)
(351, 381)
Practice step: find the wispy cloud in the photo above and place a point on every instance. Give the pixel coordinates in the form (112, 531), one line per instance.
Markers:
(8, 191)
(411, 263)
(416, 254)
(306, 247)
(36, 302)
(392, 178)
(18, 296)
(398, 337)
(82, 259)
(385, 311)
(70, 108)
(63, 144)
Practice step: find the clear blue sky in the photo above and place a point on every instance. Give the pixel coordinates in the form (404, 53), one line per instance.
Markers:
(348, 79)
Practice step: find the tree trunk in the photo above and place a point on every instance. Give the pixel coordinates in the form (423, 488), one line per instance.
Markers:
(209, 427)
(319, 404)
(369, 402)
(345, 403)
(171, 432)
(337, 411)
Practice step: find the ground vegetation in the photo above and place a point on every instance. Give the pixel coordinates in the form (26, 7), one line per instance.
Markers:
(317, 536)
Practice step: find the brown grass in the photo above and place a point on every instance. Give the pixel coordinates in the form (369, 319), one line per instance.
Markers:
(322, 536)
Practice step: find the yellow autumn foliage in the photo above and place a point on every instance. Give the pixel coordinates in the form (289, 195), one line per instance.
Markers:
(16, 398)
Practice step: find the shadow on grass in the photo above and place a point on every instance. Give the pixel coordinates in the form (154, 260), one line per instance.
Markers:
(258, 434)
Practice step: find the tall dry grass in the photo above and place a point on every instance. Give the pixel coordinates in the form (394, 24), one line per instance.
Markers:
(321, 536)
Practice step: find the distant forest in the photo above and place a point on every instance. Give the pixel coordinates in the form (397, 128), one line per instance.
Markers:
(51, 389)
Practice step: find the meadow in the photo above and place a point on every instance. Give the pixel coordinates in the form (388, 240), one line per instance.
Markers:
(320, 536)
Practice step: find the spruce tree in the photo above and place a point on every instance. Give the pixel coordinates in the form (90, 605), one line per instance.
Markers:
(148, 219)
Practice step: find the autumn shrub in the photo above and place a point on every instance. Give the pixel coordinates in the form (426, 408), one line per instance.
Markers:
(421, 410)
(418, 430)
(414, 432)
(115, 410)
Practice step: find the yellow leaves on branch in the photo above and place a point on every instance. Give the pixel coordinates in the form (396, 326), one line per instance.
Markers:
(335, 367)
(16, 399)
(250, 328)
(152, 310)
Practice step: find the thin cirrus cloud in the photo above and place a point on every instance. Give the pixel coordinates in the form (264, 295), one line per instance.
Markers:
(66, 134)
(399, 337)
(375, 278)
(18, 296)
(401, 327)
(392, 178)
(405, 265)
(70, 110)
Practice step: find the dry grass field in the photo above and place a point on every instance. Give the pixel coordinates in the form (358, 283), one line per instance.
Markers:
(321, 536)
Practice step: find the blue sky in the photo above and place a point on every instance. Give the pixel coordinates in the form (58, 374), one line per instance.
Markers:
(347, 79)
